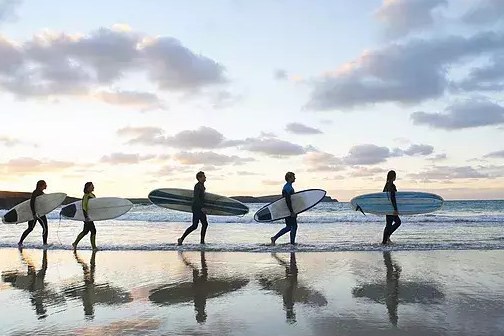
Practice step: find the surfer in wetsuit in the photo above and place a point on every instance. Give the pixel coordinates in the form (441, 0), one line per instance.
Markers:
(199, 213)
(88, 223)
(291, 221)
(39, 190)
(391, 219)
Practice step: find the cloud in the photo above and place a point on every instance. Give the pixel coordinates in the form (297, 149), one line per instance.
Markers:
(447, 173)
(272, 147)
(367, 155)
(74, 64)
(406, 73)
(415, 150)
(489, 77)
(370, 154)
(8, 9)
(468, 114)
(24, 165)
(485, 12)
(225, 99)
(142, 100)
(9, 142)
(495, 155)
(402, 17)
(297, 128)
(280, 74)
(438, 157)
(367, 172)
(203, 137)
(123, 158)
(323, 162)
(209, 158)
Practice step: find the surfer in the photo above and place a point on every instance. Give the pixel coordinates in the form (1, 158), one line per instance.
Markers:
(39, 190)
(88, 223)
(199, 213)
(391, 219)
(291, 221)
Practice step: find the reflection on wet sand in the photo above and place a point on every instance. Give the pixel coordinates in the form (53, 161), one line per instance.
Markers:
(392, 292)
(289, 288)
(41, 295)
(91, 293)
(199, 290)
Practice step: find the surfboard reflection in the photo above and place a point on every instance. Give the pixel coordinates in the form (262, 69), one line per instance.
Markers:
(392, 292)
(199, 290)
(91, 293)
(289, 288)
(41, 295)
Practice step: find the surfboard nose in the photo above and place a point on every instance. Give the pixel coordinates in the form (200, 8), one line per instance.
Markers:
(263, 215)
(69, 211)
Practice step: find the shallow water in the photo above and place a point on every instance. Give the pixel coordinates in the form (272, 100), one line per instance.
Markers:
(235, 293)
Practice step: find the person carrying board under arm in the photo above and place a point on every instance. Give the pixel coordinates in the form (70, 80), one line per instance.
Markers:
(199, 213)
(88, 223)
(391, 219)
(39, 190)
(291, 221)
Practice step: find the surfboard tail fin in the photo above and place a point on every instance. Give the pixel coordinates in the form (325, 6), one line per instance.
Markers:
(358, 208)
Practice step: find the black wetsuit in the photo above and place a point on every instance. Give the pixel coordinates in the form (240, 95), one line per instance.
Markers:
(290, 222)
(31, 223)
(391, 219)
(198, 214)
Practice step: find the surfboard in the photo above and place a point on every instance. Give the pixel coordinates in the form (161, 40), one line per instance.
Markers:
(408, 203)
(100, 208)
(181, 200)
(44, 204)
(301, 201)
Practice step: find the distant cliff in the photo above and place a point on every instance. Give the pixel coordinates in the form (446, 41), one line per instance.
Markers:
(8, 199)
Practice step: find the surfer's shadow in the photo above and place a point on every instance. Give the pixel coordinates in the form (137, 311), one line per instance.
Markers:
(203, 286)
(290, 288)
(392, 291)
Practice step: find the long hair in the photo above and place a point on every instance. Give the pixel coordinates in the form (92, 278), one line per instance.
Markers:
(86, 186)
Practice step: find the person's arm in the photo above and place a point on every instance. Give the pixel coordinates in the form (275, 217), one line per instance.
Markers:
(32, 203)
(393, 198)
(85, 206)
(199, 197)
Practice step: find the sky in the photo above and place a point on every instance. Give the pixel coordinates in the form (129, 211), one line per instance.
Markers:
(138, 95)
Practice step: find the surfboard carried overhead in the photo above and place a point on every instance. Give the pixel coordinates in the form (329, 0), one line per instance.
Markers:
(181, 200)
(100, 208)
(301, 201)
(408, 203)
(44, 204)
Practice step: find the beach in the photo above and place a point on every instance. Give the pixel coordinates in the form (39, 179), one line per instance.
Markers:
(441, 276)
(58, 292)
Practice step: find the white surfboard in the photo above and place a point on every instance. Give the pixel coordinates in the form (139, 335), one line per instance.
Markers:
(301, 201)
(43, 205)
(100, 208)
(408, 203)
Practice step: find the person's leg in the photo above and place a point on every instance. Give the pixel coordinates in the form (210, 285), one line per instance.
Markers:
(280, 233)
(386, 232)
(92, 238)
(194, 226)
(31, 225)
(81, 235)
(204, 225)
(293, 230)
(45, 228)
(397, 223)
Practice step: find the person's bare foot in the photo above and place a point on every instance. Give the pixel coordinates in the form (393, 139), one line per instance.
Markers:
(202, 242)
(74, 246)
(179, 242)
(272, 241)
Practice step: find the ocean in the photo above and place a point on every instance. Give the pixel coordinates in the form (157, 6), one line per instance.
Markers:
(328, 227)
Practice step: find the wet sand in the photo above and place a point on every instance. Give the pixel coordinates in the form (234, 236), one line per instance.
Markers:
(58, 292)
